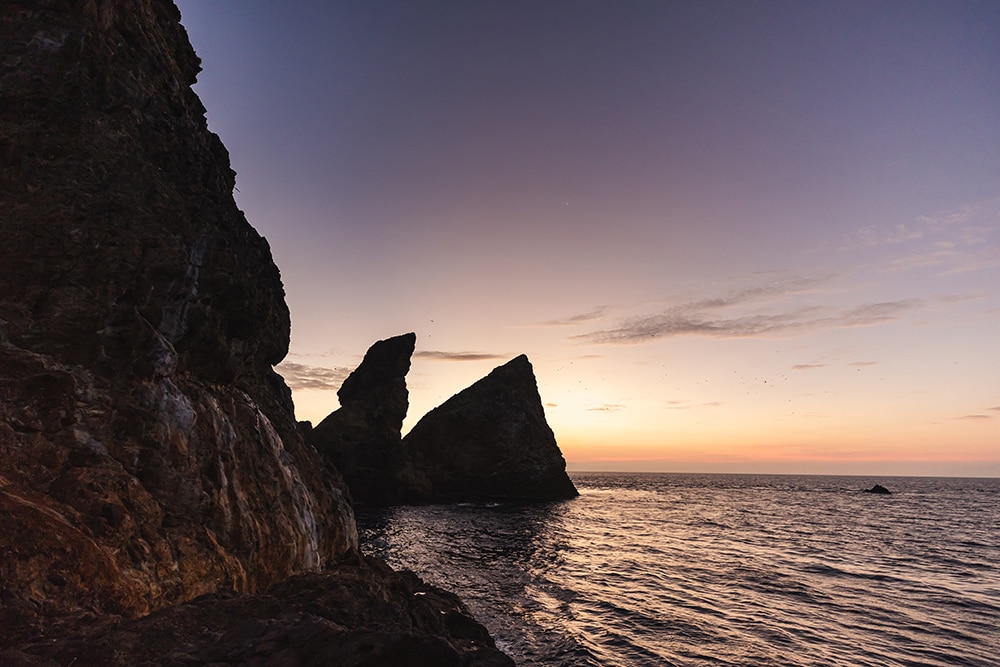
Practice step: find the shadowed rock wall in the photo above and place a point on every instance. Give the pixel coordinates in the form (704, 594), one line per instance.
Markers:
(148, 451)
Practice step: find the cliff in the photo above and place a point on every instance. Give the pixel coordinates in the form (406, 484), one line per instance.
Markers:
(148, 451)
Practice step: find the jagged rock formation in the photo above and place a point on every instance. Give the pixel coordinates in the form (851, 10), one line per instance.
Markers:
(359, 615)
(489, 441)
(878, 489)
(148, 450)
(362, 438)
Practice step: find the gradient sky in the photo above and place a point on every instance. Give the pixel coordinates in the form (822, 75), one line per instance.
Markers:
(730, 236)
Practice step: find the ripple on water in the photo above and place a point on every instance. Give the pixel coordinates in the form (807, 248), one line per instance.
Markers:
(721, 570)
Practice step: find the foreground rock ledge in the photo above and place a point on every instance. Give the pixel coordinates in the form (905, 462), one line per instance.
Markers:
(361, 614)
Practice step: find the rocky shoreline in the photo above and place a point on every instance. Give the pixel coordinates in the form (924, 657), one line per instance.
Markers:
(159, 504)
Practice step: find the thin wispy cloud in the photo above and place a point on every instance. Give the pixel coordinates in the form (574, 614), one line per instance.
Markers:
(686, 405)
(974, 417)
(862, 363)
(607, 407)
(949, 242)
(874, 313)
(302, 376)
(698, 318)
(580, 318)
(806, 367)
(438, 355)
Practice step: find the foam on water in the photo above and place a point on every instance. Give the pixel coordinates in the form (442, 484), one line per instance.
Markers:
(721, 570)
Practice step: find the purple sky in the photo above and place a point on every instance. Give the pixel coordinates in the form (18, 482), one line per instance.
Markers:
(729, 235)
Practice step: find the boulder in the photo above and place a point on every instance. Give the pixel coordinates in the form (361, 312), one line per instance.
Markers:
(362, 438)
(879, 489)
(148, 451)
(490, 441)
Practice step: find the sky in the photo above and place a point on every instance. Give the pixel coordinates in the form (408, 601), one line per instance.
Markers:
(730, 236)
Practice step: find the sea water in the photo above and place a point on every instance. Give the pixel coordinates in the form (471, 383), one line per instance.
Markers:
(681, 569)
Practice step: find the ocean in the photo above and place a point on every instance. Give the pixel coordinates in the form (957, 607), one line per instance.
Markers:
(691, 569)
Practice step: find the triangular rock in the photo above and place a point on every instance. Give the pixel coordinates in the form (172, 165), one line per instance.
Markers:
(490, 441)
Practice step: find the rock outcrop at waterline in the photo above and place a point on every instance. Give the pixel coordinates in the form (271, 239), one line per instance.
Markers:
(489, 441)
(148, 451)
(362, 439)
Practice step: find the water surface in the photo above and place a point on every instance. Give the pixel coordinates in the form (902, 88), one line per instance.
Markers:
(680, 569)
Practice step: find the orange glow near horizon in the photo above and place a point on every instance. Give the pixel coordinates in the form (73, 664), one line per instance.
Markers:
(750, 253)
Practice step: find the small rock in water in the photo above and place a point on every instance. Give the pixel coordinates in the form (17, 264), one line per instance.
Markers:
(878, 488)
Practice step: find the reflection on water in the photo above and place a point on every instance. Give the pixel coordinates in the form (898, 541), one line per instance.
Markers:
(720, 569)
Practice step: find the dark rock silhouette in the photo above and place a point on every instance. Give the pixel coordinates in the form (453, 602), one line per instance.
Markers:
(488, 441)
(362, 438)
(879, 489)
(360, 614)
(148, 451)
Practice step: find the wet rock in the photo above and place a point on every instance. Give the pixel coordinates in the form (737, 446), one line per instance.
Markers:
(489, 441)
(879, 489)
(363, 437)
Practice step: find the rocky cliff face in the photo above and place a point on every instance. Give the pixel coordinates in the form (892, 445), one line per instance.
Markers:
(148, 451)
(362, 438)
(490, 441)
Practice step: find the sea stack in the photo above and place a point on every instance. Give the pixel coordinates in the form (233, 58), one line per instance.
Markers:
(362, 438)
(490, 441)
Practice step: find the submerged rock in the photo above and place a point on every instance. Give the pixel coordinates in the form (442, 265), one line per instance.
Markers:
(879, 489)
(363, 437)
(488, 441)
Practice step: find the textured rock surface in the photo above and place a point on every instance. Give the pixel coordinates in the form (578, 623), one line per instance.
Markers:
(358, 615)
(148, 452)
(489, 441)
(362, 438)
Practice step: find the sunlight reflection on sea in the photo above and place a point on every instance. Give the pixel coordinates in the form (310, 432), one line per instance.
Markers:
(661, 569)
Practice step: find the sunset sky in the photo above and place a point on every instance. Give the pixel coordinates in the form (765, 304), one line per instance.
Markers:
(730, 236)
